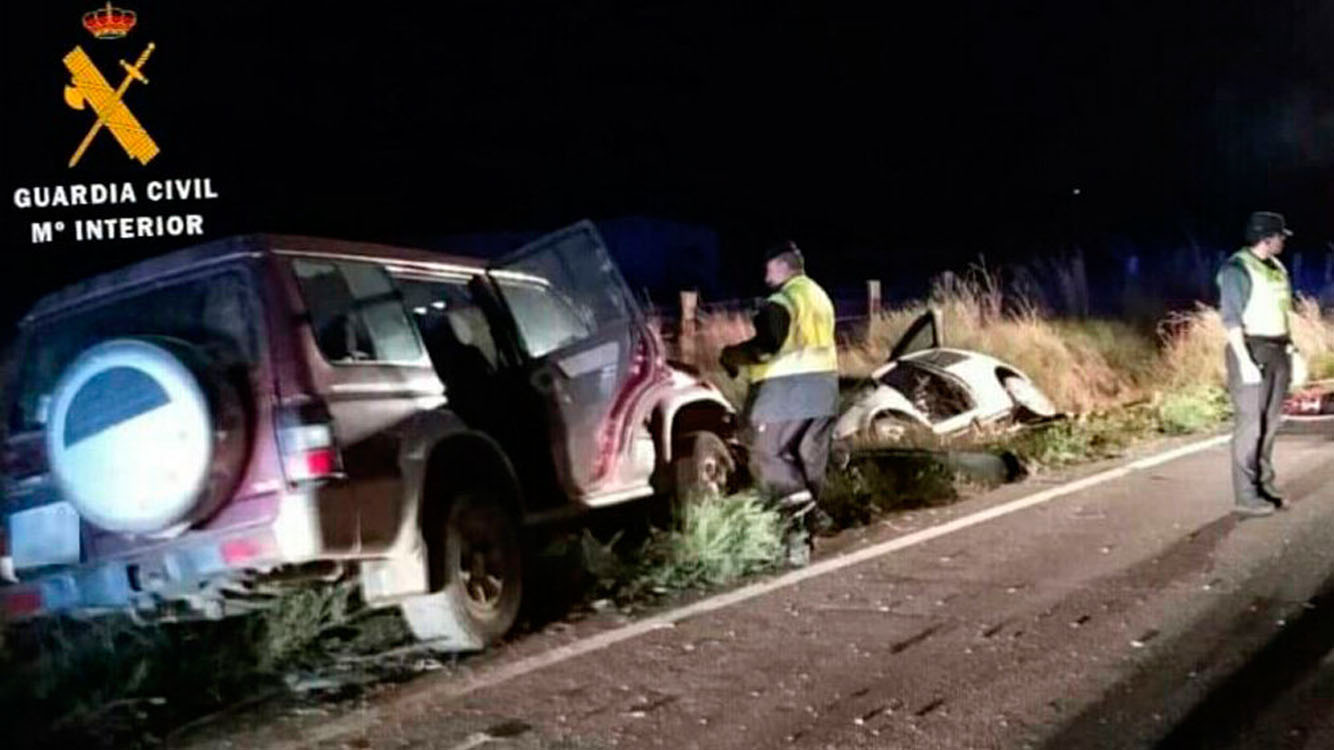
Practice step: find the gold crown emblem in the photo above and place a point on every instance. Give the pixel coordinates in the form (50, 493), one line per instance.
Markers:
(109, 22)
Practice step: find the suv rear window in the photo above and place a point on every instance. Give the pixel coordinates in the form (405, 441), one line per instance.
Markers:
(218, 312)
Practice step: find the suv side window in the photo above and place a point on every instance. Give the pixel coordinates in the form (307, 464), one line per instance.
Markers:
(355, 312)
(562, 290)
(445, 313)
(546, 319)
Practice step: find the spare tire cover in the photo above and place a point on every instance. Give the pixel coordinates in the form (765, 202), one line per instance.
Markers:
(130, 436)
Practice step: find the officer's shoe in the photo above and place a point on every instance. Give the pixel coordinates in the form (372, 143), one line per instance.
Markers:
(1273, 497)
(1254, 509)
(797, 508)
(797, 549)
(797, 504)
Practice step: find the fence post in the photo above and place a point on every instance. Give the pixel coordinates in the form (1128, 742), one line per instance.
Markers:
(872, 309)
(686, 342)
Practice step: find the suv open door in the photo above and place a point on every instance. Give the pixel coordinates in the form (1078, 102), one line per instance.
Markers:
(585, 348)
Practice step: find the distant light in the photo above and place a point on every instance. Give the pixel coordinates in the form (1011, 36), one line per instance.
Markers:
(438, 305)
(1075, 191)
(419, 310)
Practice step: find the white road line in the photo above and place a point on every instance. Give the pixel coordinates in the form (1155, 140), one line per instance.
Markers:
(492, 677)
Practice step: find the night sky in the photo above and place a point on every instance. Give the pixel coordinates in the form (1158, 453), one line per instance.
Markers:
(886, 140)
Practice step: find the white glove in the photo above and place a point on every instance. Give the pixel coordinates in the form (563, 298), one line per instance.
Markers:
(1300, 372)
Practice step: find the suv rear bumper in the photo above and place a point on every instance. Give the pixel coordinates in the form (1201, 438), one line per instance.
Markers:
(179, 571)
(189, 568)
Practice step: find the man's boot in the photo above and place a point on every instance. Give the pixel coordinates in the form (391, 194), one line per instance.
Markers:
(1270, 493)
(797, 548)
(797, 542)
(1253, 508)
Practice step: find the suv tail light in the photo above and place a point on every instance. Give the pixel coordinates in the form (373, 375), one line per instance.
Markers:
(20, 602)
(305, 436)
(23, 456)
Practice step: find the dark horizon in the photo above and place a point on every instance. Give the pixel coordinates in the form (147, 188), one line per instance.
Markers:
(885, 142)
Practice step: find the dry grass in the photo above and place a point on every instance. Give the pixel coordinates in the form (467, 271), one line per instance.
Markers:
(112, 682)
(1083, 365)
(1314, 336)
(1193, 348)
(1193, 344)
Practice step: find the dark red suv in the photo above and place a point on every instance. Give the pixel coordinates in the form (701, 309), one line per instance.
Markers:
(187, 432)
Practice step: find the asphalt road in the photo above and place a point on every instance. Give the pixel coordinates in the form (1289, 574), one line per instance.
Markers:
(1133, 613)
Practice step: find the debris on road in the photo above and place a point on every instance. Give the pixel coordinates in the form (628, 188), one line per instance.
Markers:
(1316, 399)
(931, 707)
(1143, 640)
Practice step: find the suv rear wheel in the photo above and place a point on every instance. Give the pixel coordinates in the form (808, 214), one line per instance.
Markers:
(476, 566)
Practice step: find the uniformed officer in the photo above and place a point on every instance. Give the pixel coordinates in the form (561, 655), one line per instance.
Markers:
(1255, 300)
(792, 366)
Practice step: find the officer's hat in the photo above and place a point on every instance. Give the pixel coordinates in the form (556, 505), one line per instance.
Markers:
(784, 248)
(1264, 224)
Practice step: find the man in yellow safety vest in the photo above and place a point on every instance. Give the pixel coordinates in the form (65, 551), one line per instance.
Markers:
(792, 366)
(1255, 299)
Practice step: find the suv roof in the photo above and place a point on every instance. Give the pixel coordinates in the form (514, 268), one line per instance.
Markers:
(228, 248)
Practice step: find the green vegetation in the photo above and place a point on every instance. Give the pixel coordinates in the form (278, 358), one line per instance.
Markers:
(111, 682)
(714, 541)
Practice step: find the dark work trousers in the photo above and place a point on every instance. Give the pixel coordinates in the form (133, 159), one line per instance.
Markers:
(791, 455)
(1259, 410)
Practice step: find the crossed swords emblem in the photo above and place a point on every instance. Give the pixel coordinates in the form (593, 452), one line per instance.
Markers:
(89, 87)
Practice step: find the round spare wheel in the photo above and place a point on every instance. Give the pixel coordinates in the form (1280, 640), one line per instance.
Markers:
(143, 436)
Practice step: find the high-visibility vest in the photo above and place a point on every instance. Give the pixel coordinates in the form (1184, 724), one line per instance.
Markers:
(1266, 311)
(809, 346)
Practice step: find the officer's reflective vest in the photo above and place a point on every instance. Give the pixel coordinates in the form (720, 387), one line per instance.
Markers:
(1266, 312)
(809, 346)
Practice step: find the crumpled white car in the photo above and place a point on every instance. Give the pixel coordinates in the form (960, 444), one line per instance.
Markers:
(924, 385)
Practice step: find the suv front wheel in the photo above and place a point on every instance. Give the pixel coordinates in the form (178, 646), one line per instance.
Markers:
(476, 567)
(703, 467)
